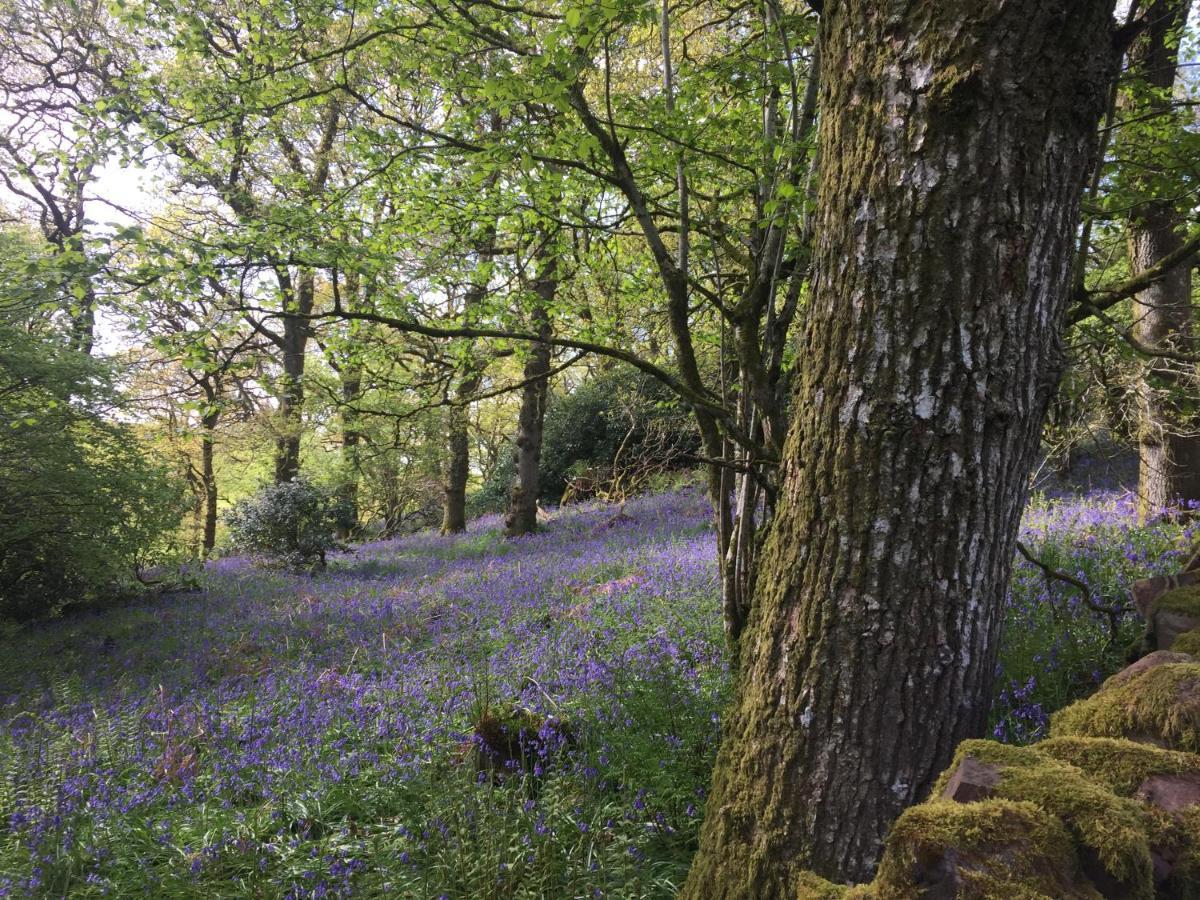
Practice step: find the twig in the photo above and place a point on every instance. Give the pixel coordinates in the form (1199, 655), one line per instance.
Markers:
(1051, 574)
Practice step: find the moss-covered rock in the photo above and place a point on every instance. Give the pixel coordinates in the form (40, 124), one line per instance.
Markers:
(1148, 590)
(995, 848)
(1144, 664)
(1111, 832)
(1185, 599)
(1161, 707)
(991, 753)
(1188, 642)
(1181, 842)
(1173, 614)
(1121, 766)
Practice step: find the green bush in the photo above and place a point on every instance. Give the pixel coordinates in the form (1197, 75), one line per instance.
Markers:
(82, 506)
(290, 525)
(618, 418)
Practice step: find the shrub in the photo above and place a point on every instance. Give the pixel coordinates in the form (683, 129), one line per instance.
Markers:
(290, 525)
(621, 428)
(82, 505)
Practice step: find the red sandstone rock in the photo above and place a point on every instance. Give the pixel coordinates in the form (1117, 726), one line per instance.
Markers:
(1171, 793)
(1169, 624)
(1145, 664)
(972, 780)
(1146, 591)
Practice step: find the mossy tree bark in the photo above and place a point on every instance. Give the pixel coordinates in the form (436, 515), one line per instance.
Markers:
(522, 507)
(955, 139)
(1168, 443)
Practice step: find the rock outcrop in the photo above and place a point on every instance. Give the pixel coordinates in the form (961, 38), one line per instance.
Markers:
(1107, 807)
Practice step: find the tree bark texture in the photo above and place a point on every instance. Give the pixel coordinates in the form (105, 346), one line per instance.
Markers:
(522, 508)
(1168, 443)
(955, 139)
(350, 371)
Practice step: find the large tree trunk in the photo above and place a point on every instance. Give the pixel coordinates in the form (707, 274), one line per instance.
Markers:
(522, 508)
(955, 139)
(1168, 444)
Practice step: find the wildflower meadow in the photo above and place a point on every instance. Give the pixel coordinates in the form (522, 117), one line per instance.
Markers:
(461, 717)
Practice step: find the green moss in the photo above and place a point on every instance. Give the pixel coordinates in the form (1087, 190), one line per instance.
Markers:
(811, 886)
(998, 848)
(1119, 765)
(1182, 836)
(1162, 706)
(990, 752)
(1108, 828)
(1188, 642)
(1184, 600)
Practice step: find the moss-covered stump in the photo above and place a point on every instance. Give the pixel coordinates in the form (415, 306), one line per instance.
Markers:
(1188, 642)
(515, 742)
(1161, 706)
(973, 851)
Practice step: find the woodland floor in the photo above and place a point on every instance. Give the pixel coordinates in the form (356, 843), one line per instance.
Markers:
(321, 736)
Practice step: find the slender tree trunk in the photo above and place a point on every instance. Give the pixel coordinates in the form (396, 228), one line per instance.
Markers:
(458, 461)
(351, 372)
(208, 479)
(196, 485)
(351, 437)
(1168, 441)
(291, 394)
(389, 486)
(457, 469)
(522, 509)
(955, 139)
(83, 322)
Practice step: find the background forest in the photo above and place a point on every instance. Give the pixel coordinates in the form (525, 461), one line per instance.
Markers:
(381, 380)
